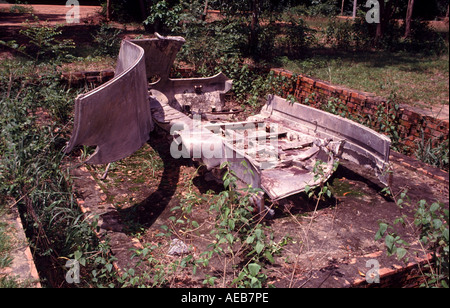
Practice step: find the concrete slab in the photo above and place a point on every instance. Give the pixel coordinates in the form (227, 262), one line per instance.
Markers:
(22, 267)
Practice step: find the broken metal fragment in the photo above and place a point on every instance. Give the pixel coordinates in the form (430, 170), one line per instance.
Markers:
(198, 95)
(115, 116)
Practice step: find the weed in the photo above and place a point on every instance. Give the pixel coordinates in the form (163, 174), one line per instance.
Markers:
(108, 40)
(432, 152)
(431, 223)
(5, 246)
(44, 42)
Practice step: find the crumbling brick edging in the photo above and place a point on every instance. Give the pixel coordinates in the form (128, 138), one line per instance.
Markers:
(420, 167)
(409, 275)
(96, 78)
(92, 202)
(22, 266)
(411, 121)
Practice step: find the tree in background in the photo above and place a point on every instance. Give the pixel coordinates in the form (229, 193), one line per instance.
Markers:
(408, 18)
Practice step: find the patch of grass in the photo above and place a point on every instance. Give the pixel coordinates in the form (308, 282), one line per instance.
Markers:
(5, 246)
(342, 187)
(417, 80)
(89, 63)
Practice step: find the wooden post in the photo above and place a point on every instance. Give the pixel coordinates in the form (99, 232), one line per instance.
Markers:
(205, 11)
(108, 10)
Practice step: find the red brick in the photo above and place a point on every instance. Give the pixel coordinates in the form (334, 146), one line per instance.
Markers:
(308, 81)
(436, 134)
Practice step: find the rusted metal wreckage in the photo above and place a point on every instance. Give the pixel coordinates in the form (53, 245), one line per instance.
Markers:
(278, 150)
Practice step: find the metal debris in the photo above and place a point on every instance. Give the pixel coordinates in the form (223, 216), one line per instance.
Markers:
(178, 248)
(115, 116)
(282, 150)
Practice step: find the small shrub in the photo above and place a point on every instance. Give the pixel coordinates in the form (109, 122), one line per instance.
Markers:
(108, 40)
(44, 43)
(431, 224)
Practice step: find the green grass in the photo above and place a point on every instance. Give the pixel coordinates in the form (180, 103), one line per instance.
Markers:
(5, 246)
(5, 258)
(415, 79)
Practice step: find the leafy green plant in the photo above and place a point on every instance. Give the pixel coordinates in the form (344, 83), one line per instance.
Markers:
(432, 152)
(108, 40)
(240, 235)
(5, 245)
(44, 43)
(163, 17)
(239, 238)
(294, 38)
(431, 223)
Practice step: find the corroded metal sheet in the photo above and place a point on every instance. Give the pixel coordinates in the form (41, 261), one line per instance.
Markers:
(362, 145)
(276, 158)
(195, 95)
(282, 150)
(314, 136)
(116, 116)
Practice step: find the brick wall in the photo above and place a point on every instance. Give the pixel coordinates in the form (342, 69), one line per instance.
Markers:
(409, 122)
(95, 78)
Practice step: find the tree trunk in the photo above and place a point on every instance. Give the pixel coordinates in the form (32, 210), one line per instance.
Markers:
(342, 8)
(205, 10)
(254, 26)
(408, 18)
(380, 25)
(355, 4)
(108, 10)
(143, 9)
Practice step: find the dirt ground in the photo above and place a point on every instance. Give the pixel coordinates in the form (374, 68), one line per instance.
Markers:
(140, 192)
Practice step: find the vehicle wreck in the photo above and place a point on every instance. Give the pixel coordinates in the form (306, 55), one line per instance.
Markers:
(277, 150)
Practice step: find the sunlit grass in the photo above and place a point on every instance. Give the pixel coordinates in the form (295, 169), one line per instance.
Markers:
(414, 79)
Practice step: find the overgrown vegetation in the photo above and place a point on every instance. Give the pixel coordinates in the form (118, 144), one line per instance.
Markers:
(240, 242)
(5, 257)
(431, 226)
(34, 119)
